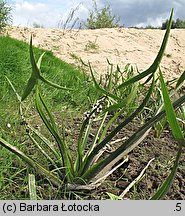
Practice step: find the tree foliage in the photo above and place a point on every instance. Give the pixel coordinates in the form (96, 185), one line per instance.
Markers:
(175, 24)
(5, 14)
(101, 18)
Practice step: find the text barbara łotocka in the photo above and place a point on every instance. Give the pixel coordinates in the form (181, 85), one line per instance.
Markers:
(37, 207)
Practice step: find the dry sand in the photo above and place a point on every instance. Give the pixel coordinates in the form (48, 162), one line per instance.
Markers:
(121, 46)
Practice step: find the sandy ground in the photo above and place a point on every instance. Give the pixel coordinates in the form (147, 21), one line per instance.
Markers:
(121, 46)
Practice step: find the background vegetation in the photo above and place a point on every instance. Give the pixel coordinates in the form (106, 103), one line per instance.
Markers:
(101, 18)
(15, 64)
(5, 14)
(176, 24)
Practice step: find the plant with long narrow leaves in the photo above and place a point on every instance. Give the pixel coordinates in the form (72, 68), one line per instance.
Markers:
(90, 166)
(178, 135)
(36, 75)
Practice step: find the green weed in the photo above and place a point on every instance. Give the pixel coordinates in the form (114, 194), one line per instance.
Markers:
(91, 46)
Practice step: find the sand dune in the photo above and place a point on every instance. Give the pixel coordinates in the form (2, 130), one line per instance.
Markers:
(121, 46)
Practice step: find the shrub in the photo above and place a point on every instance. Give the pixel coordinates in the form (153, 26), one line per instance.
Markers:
(101, 18)
(5, 16)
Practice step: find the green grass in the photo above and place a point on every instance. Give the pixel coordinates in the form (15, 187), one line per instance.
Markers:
(15, 64)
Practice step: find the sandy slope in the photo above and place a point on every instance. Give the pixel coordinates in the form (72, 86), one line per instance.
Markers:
(120, 46)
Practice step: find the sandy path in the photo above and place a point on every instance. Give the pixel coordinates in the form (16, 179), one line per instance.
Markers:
(121, 46)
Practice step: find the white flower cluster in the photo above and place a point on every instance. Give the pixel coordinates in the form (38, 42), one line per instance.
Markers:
(97, 108)
(87, 114)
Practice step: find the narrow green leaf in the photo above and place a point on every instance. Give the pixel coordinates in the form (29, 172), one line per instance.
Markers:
(40, 60)
(32, 187)
(34, 76)
(117, 129)
(110, 83)
(127, 146)
(97, 134)
(46, 141)
(49, 113)
(79, 144)
(116, 106)
(62, 147)
(109, 123)
(170, 113)
(100, 88)
(113, 197)
(148, 79)
(125, 102)
(83, 63)
(44, 153)
(109, 62)
(35, 69)
(54, 84)
(40, 169)
(86, 136)
(152, 69)
(182, 111)
(177, 133)
(180, 81)
(18, 96)
(48, 125)
(31, 83)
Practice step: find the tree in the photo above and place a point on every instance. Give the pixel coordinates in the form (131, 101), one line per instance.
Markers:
(175, 24)
(5, 16)
(180, 23)
(36, 25)
(101, 18)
